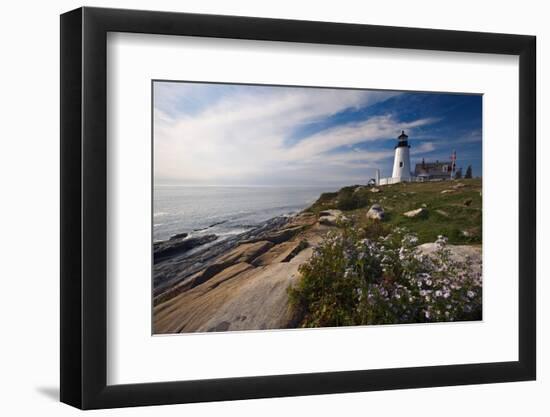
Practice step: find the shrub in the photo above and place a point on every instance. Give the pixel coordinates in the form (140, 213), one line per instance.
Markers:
(325, 201)
(350, 198)
(354, 280)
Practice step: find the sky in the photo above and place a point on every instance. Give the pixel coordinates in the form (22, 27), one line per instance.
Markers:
(233, 134)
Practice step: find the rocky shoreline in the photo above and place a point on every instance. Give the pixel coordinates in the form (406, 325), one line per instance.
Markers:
(233, 284)
(204, 283)
(182, 255)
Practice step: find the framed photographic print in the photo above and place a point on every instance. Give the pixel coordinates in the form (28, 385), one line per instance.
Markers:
(258, 207)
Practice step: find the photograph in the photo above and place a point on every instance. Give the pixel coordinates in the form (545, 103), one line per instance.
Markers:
(291, 207)
(302, 203)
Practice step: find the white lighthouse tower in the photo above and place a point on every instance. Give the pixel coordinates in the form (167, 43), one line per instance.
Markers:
(402, 162)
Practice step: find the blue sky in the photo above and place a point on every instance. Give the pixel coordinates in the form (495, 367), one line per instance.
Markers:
(227, 134)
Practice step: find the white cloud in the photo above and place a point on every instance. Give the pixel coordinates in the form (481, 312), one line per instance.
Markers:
(243, 137)
(375, 128)
(423, 148)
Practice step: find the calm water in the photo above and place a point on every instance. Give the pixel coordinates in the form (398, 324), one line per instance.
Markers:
(224, 211)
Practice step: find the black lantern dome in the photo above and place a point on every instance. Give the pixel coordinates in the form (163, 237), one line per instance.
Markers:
(402, 140)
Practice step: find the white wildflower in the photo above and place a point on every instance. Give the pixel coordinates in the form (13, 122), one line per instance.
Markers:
(441, 241)
(402, 253)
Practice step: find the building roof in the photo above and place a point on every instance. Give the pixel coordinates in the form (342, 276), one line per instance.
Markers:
(432, 168)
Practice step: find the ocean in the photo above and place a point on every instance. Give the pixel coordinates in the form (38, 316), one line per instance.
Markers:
(225, 210)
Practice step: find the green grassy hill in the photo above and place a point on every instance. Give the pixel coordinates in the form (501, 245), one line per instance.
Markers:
(452, 208)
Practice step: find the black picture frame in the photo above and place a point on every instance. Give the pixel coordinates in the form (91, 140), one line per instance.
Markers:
(84, 207)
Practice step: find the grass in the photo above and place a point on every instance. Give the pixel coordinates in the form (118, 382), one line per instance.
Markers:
(456, 215)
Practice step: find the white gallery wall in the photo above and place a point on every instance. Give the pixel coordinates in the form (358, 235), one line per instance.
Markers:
(29, 172)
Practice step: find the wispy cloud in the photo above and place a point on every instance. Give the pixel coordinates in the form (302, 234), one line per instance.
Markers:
(375, 128)
(222, 134)
(424, 147)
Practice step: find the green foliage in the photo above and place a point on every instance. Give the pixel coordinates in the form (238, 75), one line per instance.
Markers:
(468, 172)
(327, 197)
(324, 202)
(348, 198)
(351, 198)
(383, 279)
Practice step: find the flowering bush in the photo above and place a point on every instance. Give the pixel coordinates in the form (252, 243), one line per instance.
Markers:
(352, 279)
